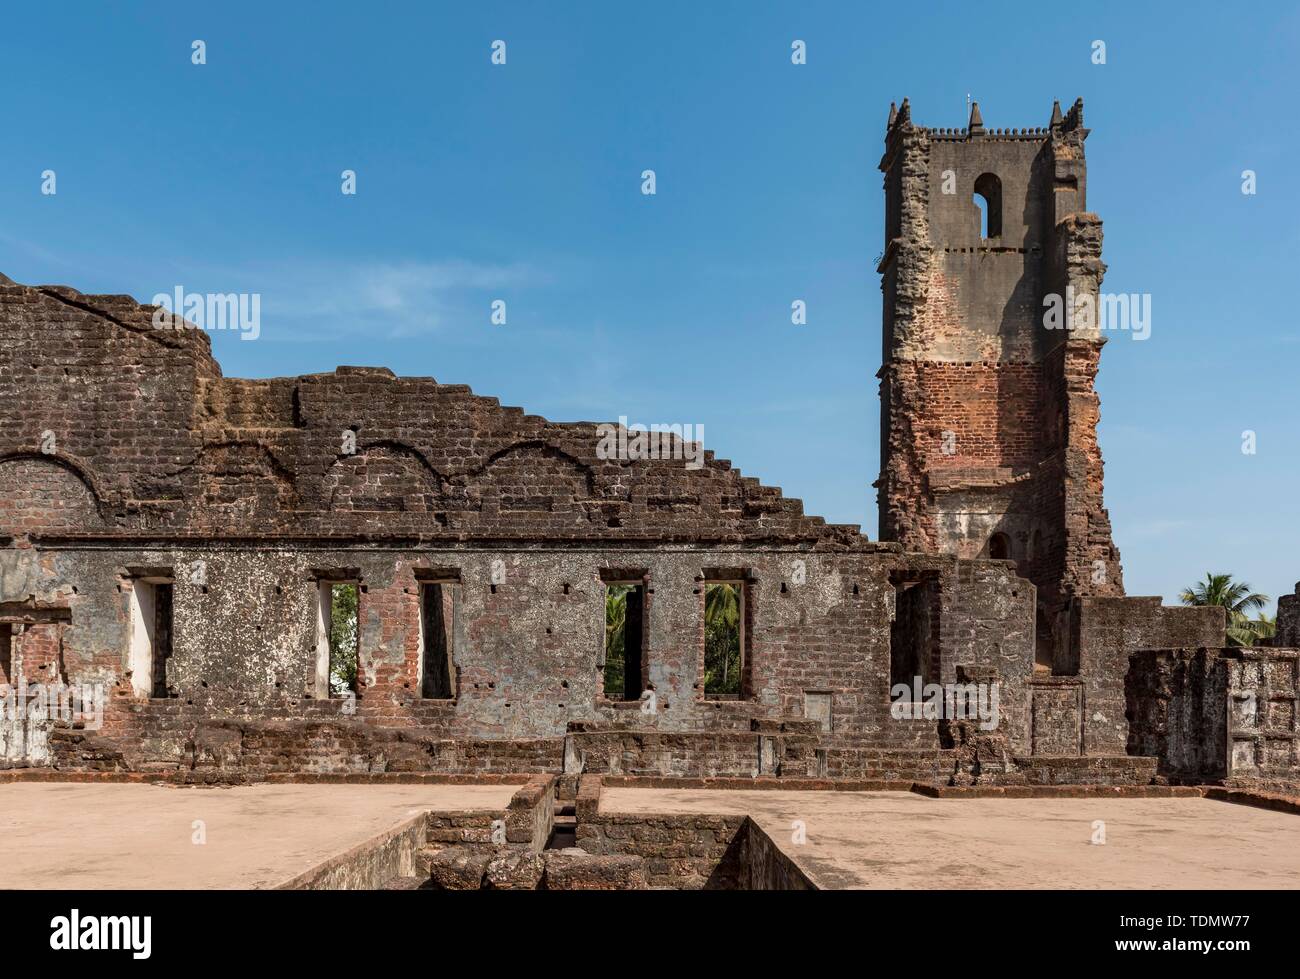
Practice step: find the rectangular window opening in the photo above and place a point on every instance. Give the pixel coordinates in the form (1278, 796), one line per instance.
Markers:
(724, 640)
(6, 653)
(151, 636)
(624, 640)
(337, 638)
(438, 607)
(914, 633)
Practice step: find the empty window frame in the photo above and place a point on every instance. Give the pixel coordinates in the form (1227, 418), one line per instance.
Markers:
(151, 635)
(725, 634)
(439, 606)
(6, 653)
(625, 639)
(914, 631)
(988, 198)
(338, 636)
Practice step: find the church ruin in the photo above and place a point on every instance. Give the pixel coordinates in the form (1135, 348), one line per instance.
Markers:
(173, 541)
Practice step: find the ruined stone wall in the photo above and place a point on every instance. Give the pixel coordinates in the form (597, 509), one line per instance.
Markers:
(1177, 710)
(1264, 716)
(1089, 560)
(245, 495)
(1219, 714)
(528, 651)
(1288, 620)
(94, 395)
(1105, 632)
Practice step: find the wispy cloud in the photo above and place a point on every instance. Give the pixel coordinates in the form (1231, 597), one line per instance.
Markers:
(308, 301)
(399, 299)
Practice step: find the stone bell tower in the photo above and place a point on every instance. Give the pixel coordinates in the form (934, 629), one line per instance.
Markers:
(988, 410)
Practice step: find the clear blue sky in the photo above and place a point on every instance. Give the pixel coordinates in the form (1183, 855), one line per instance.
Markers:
(522, 182)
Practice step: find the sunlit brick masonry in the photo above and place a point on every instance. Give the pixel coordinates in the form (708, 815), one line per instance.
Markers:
(184, 551)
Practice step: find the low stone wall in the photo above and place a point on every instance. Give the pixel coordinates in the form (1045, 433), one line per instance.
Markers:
(1077, 791)
(1218, 714)
(1263, 715)
(369, 865)
(890, 764)
(531, 815)
(768, 748)
(1106, 770)
(764, 867)
(683, 852)
(450, 828)
(687, 851)
(406, 850)
(177, 739)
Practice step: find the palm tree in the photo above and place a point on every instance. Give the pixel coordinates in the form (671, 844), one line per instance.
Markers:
(722, 605)
(615, 634)
(722, 638)
(1265, 626)
(1237, 598)
(343, 638)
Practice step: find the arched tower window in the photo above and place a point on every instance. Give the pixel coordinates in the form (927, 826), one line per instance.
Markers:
(988, 198)
(999, 547)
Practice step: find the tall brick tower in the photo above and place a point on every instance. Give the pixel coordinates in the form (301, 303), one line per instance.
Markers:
(989, 418)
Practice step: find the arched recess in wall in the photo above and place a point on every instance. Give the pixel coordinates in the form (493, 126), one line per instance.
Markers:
(239, 481)
(385, 476)
(998, 547)
(533, 476)
(988, 198)
(46, 493)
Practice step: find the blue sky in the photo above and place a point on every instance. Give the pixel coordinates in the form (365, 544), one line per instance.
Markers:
(522, 182)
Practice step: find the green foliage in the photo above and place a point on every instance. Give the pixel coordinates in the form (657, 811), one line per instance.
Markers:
(615, 633)
(1264, 626)
(343, 638)
(1238, 599)
(722, 665)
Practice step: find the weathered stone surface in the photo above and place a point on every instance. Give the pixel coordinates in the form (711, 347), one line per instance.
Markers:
(990, 445)
(1219, 714)
(574, 870)
(459, 868)
(1288, 619)
(516, 869)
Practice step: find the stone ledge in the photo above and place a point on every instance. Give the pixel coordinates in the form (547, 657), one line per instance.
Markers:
(1276, 801)
(750, 784)
(1057, 791)
(188, 778)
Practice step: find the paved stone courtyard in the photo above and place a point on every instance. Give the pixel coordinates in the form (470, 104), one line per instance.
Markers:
(903, 840)
(92, 836)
